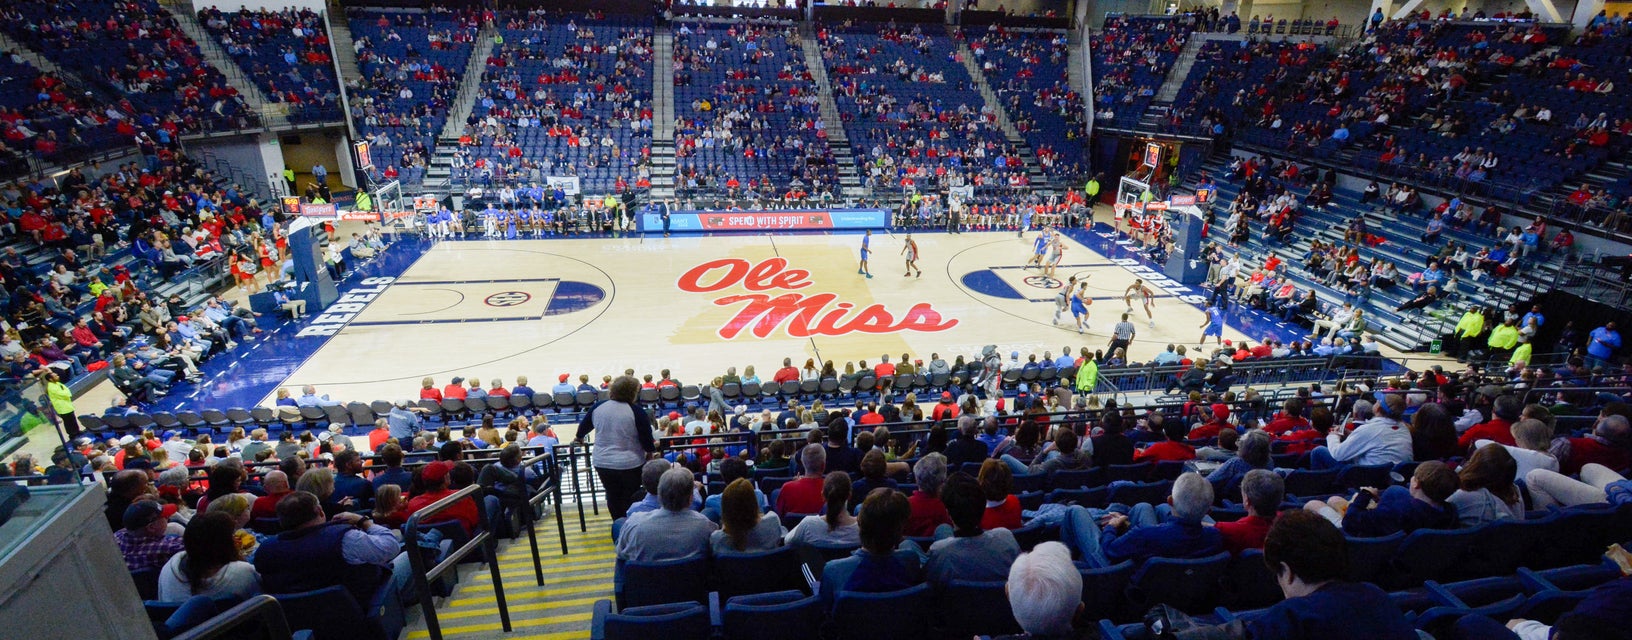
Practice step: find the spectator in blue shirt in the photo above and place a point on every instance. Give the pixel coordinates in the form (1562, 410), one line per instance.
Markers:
(1104, 539)
(1065, 361)
(1602, 344)
(521, 388)
(394, 473)
(350, 482)
(887, 561)
(1422, 506)
(564, 385)
(1308, 556)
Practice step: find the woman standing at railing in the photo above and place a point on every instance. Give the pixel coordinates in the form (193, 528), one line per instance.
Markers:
(622, 443)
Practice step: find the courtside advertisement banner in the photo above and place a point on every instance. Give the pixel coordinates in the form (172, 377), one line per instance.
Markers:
(789, 220)
(325, 210)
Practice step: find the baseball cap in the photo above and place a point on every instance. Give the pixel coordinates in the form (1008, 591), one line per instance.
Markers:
(1014, 354)
(1221, 411)
(127, 439)
(171, 434)
(457, 380)
(564, 377)
(140, 514)
(946, 395)
(1227, 343)
(436, 471)
(674, 415)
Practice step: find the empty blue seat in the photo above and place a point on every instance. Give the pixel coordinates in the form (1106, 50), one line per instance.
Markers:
(1250, 583)
(784, 615)
(1187, 584)
(1104, 590)
(738, 574)
(639, 584)
(893, 615)
(680, 620)
(330, 613)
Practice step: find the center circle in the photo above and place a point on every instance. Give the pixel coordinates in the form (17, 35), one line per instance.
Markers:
(508, 298)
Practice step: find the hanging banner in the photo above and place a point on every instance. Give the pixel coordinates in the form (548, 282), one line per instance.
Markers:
(567, 184)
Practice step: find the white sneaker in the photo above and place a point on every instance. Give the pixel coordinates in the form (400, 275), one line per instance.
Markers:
(1153, 324)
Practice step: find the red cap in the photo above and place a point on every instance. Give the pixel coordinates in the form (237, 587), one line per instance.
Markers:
(1221, 411)
(674, 415)
(435, 472)
(565, 376)
(1227, 343)
(946, 395)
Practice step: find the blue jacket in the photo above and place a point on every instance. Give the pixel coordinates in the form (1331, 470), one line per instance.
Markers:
(1172, 539)
(1337, 611)
(1395, 511)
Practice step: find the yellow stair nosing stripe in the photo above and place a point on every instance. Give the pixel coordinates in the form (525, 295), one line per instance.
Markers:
(499, 626)
(492, 608)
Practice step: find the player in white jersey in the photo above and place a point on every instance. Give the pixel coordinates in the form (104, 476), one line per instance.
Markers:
(1146, 294)
(1056, 251)
(1062, 300)
(910, 250)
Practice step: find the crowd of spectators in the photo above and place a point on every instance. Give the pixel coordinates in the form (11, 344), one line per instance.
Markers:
(563, 95)
(749, 114)
(912, 112)
(134, 48)
(286, 53)
(411, 66)
(1028, 70)
(1132, 56)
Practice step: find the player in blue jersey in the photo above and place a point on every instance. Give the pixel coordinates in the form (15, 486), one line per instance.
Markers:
(1039, 247)
(1212, 326)
(1079, 305)
(866, 251)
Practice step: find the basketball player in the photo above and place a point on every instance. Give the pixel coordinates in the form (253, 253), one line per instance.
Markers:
(1062, 300)
(1145, 293)
(1039, 247)
(1025, 223)
(866, 250)
(1079, 306)
(1212, 326)
(910, 248)
(1056, 251)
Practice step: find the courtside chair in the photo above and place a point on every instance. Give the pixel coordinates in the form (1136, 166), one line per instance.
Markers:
(433, 410)
(340, 419)
(565, 401)
(119, 424)
(676, 621)
(520, 403)
(380, 408)
(474, 407)
(731, 390)
(192, 422)
(542, 402)
(263, 417)
(165, 420)
(688, 393)
(584, 399)
(94, 425)
(361, 414)
(751, 391)
(829, 388)
(312, 416)
(868, 384)
(216, 419)
(784, 615)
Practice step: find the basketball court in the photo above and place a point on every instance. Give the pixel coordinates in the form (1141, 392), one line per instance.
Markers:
(698, 304)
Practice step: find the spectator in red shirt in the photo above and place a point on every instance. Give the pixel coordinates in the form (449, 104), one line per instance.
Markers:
(1173, 448)
(946, 409)
(1505, 411)
(1002, 506)
(804, 494)
(1303, 440)
(928, 512)
(435, 477)
(884, 369)
(1261, 491)
(788, 373)
(1289, 419)
(1218, 415)
(1609, 444)
(454, 391)
(276, 485)
(428, 390)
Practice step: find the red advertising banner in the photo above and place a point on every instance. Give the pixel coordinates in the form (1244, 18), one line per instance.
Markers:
(746, 220)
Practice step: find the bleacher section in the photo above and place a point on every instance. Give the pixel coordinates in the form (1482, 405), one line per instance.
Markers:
(412, 64)
(564, 95)
(911, 111)
(749, 112)
(132, 47)
(286, 53)
(1131, 57)
(1036, 92)
(41, 114)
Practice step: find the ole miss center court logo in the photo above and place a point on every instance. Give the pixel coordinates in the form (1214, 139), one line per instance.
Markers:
(801, 315)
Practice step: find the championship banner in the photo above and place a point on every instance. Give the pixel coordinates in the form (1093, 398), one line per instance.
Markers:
(325, 210)
(789, 220)
(567, 184)
(291, 205)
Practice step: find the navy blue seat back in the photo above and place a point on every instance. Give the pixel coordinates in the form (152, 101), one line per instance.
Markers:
(1305, 483)
(1187, 584)
(1104, 590)
(680, 621)
(1141, 492)
(329, 613)
(967, 608)
(1369, 557)
(738, 574)
(1135, 472)
(784, 615)
(639, 584)
(893, 615)
(1426, 554)
(1250, 583)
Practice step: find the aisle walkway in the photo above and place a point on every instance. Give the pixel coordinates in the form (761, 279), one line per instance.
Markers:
(559, 610)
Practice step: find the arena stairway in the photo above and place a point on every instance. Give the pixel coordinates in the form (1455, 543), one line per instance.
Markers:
(560, 610)
(1034, 169)
(838, 141)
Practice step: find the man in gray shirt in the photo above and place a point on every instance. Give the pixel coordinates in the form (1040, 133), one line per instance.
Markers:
(1121, 335)
(673, 533)
(970, 554)
(403, 421)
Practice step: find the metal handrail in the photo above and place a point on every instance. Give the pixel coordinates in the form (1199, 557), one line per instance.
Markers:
(262, 610)
(482, 538)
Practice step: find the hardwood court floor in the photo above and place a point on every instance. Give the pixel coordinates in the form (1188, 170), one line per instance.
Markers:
(697, 305)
